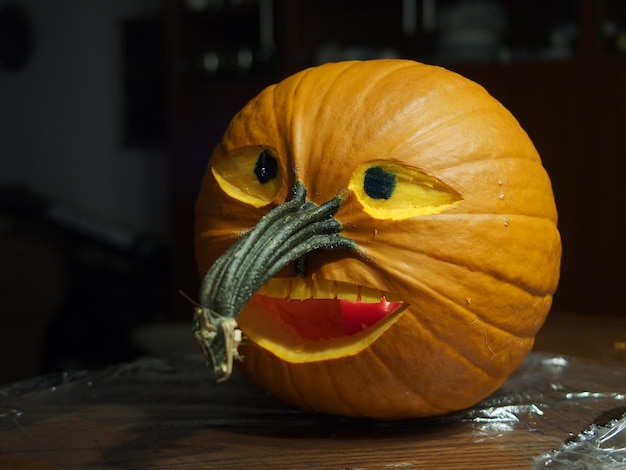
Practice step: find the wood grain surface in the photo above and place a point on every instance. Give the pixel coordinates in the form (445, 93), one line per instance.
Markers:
(168, 414)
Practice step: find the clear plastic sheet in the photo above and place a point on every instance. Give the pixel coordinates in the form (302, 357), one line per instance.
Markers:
(168, 413)
(598, 447)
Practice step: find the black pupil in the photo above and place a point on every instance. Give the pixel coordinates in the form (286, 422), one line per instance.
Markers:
(266, 167)
(379, 184)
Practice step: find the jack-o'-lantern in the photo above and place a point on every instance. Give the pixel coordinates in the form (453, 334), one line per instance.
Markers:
(383, 236)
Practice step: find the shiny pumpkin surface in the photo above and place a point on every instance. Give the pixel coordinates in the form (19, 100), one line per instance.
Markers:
(466, 238)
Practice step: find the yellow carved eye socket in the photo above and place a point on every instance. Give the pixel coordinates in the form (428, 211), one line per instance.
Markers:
(392, 191)
(250, 174)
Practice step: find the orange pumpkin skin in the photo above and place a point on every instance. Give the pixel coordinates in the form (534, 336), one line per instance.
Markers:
(478, 277)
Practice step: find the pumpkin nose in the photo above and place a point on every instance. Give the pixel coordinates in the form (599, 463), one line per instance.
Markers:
(284, 235)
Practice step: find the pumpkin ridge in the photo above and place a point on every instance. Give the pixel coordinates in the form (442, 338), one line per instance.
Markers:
(294, 130)
(493, 273)
(307, 400)
(494, 374)
(480, 369)
(489, 324)
(375, 82)
(492, 322)
(515, 282)
(499, 158)
(305, 136)
(499, 215)
(462, 264)
(295, 390)
(250, 126)
(452, 304)
(293, 382)
(410, 386)
(288, 385)
(330, 89)
(320, 100)
(460, 116)
(511, 283)
(276, 124)
(477, 315)
(335, 379)
(454, 115)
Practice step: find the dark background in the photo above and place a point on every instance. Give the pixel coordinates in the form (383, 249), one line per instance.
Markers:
(109, 110)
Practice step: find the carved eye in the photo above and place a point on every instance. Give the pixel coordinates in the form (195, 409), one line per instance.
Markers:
(250, 174)
(379, 183)
(266, 167)
(392, 191)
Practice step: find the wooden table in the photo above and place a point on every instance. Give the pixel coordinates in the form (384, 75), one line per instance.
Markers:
(168, 414)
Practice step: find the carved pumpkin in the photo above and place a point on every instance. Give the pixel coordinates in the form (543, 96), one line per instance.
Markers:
(414, 261)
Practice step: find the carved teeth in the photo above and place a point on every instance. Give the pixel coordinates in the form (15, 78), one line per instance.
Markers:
(306, 288)
(277, 288)
(302, 289)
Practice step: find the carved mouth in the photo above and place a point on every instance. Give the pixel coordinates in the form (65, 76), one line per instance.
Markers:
(320, 309)
(284, 314)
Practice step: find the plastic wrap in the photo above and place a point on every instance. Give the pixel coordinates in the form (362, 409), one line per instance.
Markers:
(168, 413)
(600, 446)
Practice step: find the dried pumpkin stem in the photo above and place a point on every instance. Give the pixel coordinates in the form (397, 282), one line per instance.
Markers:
(285, 234)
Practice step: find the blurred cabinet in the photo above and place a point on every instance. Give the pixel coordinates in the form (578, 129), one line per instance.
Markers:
(560, 67)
